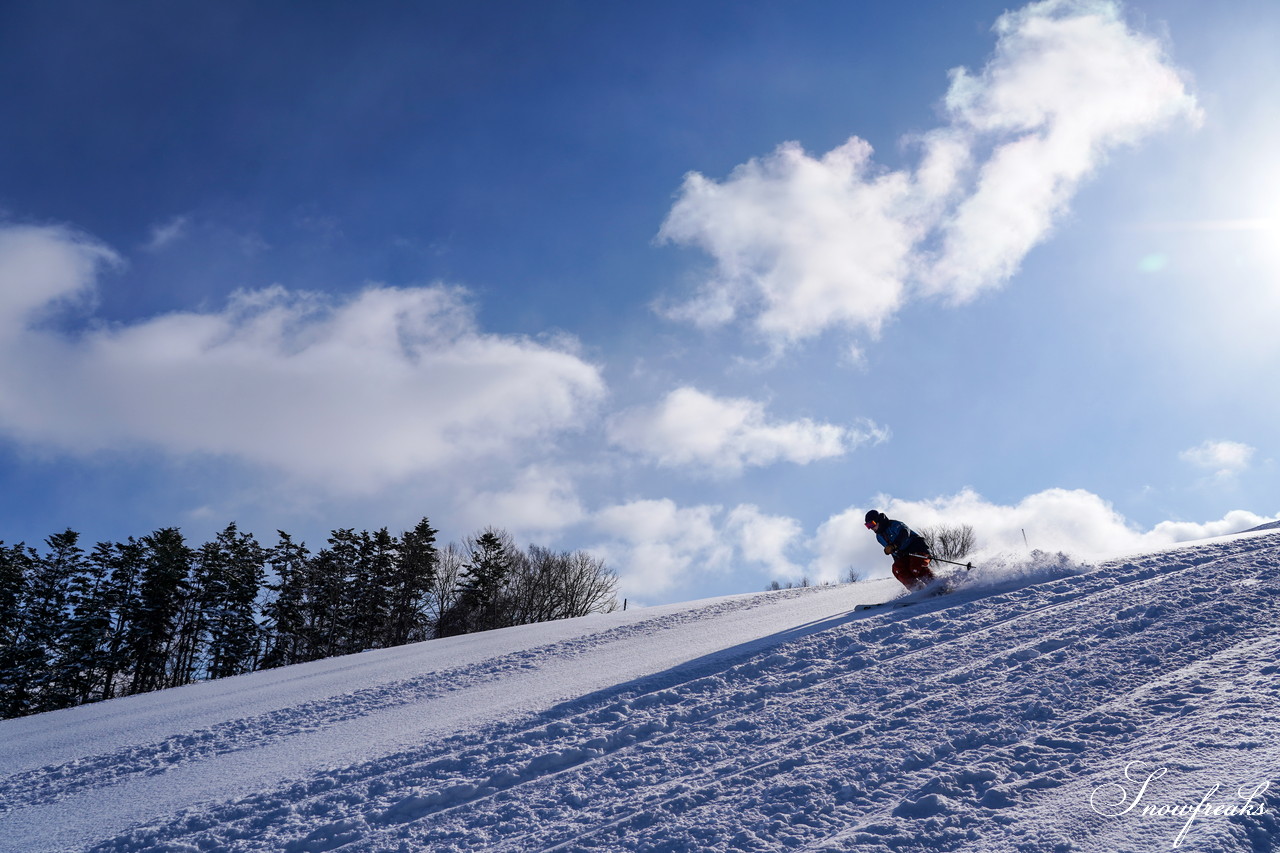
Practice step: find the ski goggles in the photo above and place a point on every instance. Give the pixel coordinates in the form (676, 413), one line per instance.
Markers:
(870, 524)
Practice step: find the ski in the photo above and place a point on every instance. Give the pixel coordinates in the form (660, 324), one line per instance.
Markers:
(858, 608)
(895, 603)
(940, 586)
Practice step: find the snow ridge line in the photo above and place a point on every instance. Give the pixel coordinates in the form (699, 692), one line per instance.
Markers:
(417, 808)
(52, 782)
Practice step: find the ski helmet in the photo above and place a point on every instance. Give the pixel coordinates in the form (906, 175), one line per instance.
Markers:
(873, 516)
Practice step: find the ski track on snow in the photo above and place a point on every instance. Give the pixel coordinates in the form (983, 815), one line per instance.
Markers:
(53, 782)
(944, 720)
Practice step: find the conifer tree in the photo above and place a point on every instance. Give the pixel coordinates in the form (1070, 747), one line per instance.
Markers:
(285, 613)
(154, 618)
(17, 656)
(371, 590)
(124, 562)
(46, 612)
(490, 560)
(186, 653)
(81, 665)
(13, 584)
(151, 613)
(411, 585)
(330, 612)
(234, 568)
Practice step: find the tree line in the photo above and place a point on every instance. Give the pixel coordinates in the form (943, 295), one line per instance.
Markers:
(130, 617)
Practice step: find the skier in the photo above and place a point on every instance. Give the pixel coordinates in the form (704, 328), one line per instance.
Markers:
(910, 553)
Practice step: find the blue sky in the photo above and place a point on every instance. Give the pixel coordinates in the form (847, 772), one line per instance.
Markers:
(689, 284)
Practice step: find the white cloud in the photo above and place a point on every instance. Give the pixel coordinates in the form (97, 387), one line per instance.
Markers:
(1075, 521)
(692, 428)
(1069, 81)
(350, 393)
(542, 501)
(1185, 531)
(655, 544)
(42, 268)
(1222, 458)
(659, 547)
(802, 244)
(766, 539)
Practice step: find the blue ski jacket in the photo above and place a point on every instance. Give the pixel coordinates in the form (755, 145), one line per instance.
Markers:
(901, 537)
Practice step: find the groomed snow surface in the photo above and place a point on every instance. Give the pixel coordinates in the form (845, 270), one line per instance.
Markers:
(1044, 705)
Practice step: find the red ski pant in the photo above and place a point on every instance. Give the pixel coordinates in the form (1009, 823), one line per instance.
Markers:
(913, 571)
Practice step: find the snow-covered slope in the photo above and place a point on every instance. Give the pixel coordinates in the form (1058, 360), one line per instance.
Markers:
(1028, 710)
(1274, 525)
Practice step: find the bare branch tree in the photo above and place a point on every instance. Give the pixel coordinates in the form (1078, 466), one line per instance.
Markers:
(949, 542)
(446, 585)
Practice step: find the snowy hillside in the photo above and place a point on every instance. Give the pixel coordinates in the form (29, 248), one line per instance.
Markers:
(1025, 711)
(1274, 525)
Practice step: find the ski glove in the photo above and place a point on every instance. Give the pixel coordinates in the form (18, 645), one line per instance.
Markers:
(889, 549)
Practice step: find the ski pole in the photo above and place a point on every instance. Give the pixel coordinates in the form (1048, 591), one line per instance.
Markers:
(967, 566)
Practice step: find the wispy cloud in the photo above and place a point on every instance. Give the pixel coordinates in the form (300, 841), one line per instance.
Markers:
(802, 244)
(167, 233)
(1221, 458)
(728, 434)
(350, 393)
